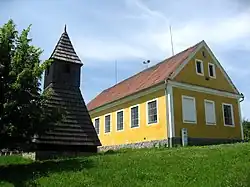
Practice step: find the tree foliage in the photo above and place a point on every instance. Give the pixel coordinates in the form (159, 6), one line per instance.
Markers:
(23, 108)
(246, 129)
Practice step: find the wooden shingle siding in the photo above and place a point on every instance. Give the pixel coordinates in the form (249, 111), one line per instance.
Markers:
(76, 128)
(64, 50)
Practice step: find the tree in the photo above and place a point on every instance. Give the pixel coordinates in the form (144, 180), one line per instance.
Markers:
(246, 129)
(24, 110)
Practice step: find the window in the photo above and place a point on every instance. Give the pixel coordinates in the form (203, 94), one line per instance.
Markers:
(134, 116)
(188, 109)
(210, 112)
(211, 70)
(152, 112)
(119, 120)
(97, 125)
(107, 123)
(199, 67)
(66, 68)
(204, 54)
(228, 114)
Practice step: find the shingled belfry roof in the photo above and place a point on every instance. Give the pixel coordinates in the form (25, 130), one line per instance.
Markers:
(142, 80)
(76, 128)
(64, 50)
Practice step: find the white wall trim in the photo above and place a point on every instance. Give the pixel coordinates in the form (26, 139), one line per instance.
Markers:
(240, 116)
(123, 113)
(211, 64)
(126, 99)
(232, 113)
(193, 98)
(99, 124)
(130, 124)
(109, 114)
(203, 90)
(202, 67)
(157, 111)
(209, 101)
(215, 60)
(170, 111)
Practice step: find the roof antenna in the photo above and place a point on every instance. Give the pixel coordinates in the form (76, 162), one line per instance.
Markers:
(146, 63)
(171, 40)
(116, 73)
(65, 28)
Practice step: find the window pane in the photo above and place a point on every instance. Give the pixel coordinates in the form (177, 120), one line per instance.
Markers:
(134, 117)
(107, 124)
(188, 110)
(198, 66)
(211, 70)
(119, 120)
(210, 112)
(228, 118)
(97, 125)
(152, 112)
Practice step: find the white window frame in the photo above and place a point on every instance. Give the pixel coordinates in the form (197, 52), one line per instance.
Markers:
(138, 116)
(122, 110)
(110, 114)
(213, 65)
(202, 67)
(209, 101)
(99, 124)
(232, 112)
(157, 111)
(193, 98)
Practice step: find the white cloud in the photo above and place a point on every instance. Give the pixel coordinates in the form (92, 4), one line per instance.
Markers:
(107, 49)
(146, 36)
(151, 38)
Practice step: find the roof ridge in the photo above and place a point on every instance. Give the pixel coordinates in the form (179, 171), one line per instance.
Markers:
(143, 79)
(155, 65)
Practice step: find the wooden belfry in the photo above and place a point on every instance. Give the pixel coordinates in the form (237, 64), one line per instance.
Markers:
(76, 132)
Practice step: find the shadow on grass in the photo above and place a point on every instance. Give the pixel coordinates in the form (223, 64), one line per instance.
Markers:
(20, 175)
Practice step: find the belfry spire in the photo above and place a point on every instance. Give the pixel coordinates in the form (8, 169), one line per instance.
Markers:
(65, 28)
(64, 49)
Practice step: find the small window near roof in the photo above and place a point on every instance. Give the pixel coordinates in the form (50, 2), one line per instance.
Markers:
(199, 67)
(204, 54)
(211, 70)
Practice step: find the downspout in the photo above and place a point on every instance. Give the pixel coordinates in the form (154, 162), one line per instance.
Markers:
(239, 110)
(169, 128)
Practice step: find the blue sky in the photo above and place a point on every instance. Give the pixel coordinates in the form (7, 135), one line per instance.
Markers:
(131, 31)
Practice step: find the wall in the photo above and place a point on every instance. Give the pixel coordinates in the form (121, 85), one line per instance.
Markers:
(132, 135)
(188, 74)
(201, 130)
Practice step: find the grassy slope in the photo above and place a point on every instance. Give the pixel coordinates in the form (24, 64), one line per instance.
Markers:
(225, 165)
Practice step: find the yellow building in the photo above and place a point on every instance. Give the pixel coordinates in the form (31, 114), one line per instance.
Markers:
(189, 91)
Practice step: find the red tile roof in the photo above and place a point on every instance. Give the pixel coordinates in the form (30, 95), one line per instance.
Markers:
(142, 80)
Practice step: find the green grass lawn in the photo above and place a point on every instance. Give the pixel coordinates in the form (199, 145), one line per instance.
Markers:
(224, 165)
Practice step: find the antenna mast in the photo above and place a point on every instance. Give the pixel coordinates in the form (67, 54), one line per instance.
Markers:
(116, 72)
(146, 63)
(171, 40)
